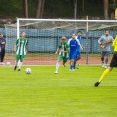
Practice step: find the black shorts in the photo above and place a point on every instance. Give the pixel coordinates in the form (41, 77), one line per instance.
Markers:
(113, 62)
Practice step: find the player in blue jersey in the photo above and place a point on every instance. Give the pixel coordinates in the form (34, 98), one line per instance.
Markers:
(78, 57)
(73, 44)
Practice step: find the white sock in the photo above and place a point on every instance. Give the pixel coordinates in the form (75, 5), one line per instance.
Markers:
(20, 64)
(57, 66)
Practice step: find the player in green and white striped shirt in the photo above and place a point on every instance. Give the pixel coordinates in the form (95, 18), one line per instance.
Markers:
(63, 50)
(21, 48)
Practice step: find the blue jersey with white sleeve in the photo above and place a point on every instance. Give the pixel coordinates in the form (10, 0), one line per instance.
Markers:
(73, 44)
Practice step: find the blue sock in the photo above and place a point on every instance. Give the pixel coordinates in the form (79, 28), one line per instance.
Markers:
(74, 64)
(70, 66)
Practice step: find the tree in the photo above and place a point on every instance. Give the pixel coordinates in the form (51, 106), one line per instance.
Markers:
(83, 6)
(75, 9)
(40, 9)
(112, 7)
(106, 9)
(25, 8)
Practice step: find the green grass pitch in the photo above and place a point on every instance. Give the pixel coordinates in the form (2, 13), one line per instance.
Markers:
(67, 94)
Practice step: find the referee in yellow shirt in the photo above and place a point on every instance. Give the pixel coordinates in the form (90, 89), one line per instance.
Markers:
(113, 63)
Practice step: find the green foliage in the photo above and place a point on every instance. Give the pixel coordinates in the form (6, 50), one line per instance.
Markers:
(11, 7)
(112, 5)
(54, 8)
(67, 94)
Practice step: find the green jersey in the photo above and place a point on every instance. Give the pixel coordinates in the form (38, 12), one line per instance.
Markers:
(64, 47)
(21, 48)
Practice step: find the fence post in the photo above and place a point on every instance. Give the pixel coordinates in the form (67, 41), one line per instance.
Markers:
(86, 40)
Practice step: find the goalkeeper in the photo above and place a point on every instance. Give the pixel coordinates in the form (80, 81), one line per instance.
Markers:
(105, 42)
(113, 63)
(63, 53)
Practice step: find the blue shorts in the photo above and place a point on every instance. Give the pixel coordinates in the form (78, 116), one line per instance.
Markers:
(105, 53)
(72, 56)
(78, 54)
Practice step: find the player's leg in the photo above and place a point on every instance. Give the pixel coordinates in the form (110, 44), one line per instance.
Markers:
(64, 61)
(106, 61)
(73, 57)
(102, 58)
(76, 59)
(20, 64)
(16, 61)
(106, 72)
(57, 66)
(72, 65)
(70, 58)
(107, 54)
(22, 57)
(60, 57)
(2, 56)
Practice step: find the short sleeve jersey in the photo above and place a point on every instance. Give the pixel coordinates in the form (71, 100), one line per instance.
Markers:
(64, 47)
(21, 46)
(74, 45)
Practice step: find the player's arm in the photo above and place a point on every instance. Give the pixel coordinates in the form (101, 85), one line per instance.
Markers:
(99, 41)
(112, 40)
(69, 41)
(79, 44)
(15, 46)
(3, 41)
(27, 46)
(67, 48)
(57, 50)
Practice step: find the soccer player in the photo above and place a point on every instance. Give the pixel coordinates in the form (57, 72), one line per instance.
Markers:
(113, 63)
(105, 42)
(21, 48)
(74, 44)
(2, 48)
(63, 50)
(78, 57)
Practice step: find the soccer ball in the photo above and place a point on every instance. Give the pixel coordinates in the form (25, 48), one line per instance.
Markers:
(28, 71)
(8, 63)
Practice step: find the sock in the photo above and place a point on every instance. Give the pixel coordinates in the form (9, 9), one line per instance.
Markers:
(74, 64)
(20, 64)
(102, 58)
(57, 65)
(106, 60)
(105, 73)
(71, 66)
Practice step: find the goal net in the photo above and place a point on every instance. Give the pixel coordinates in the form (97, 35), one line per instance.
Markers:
(44, 36)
